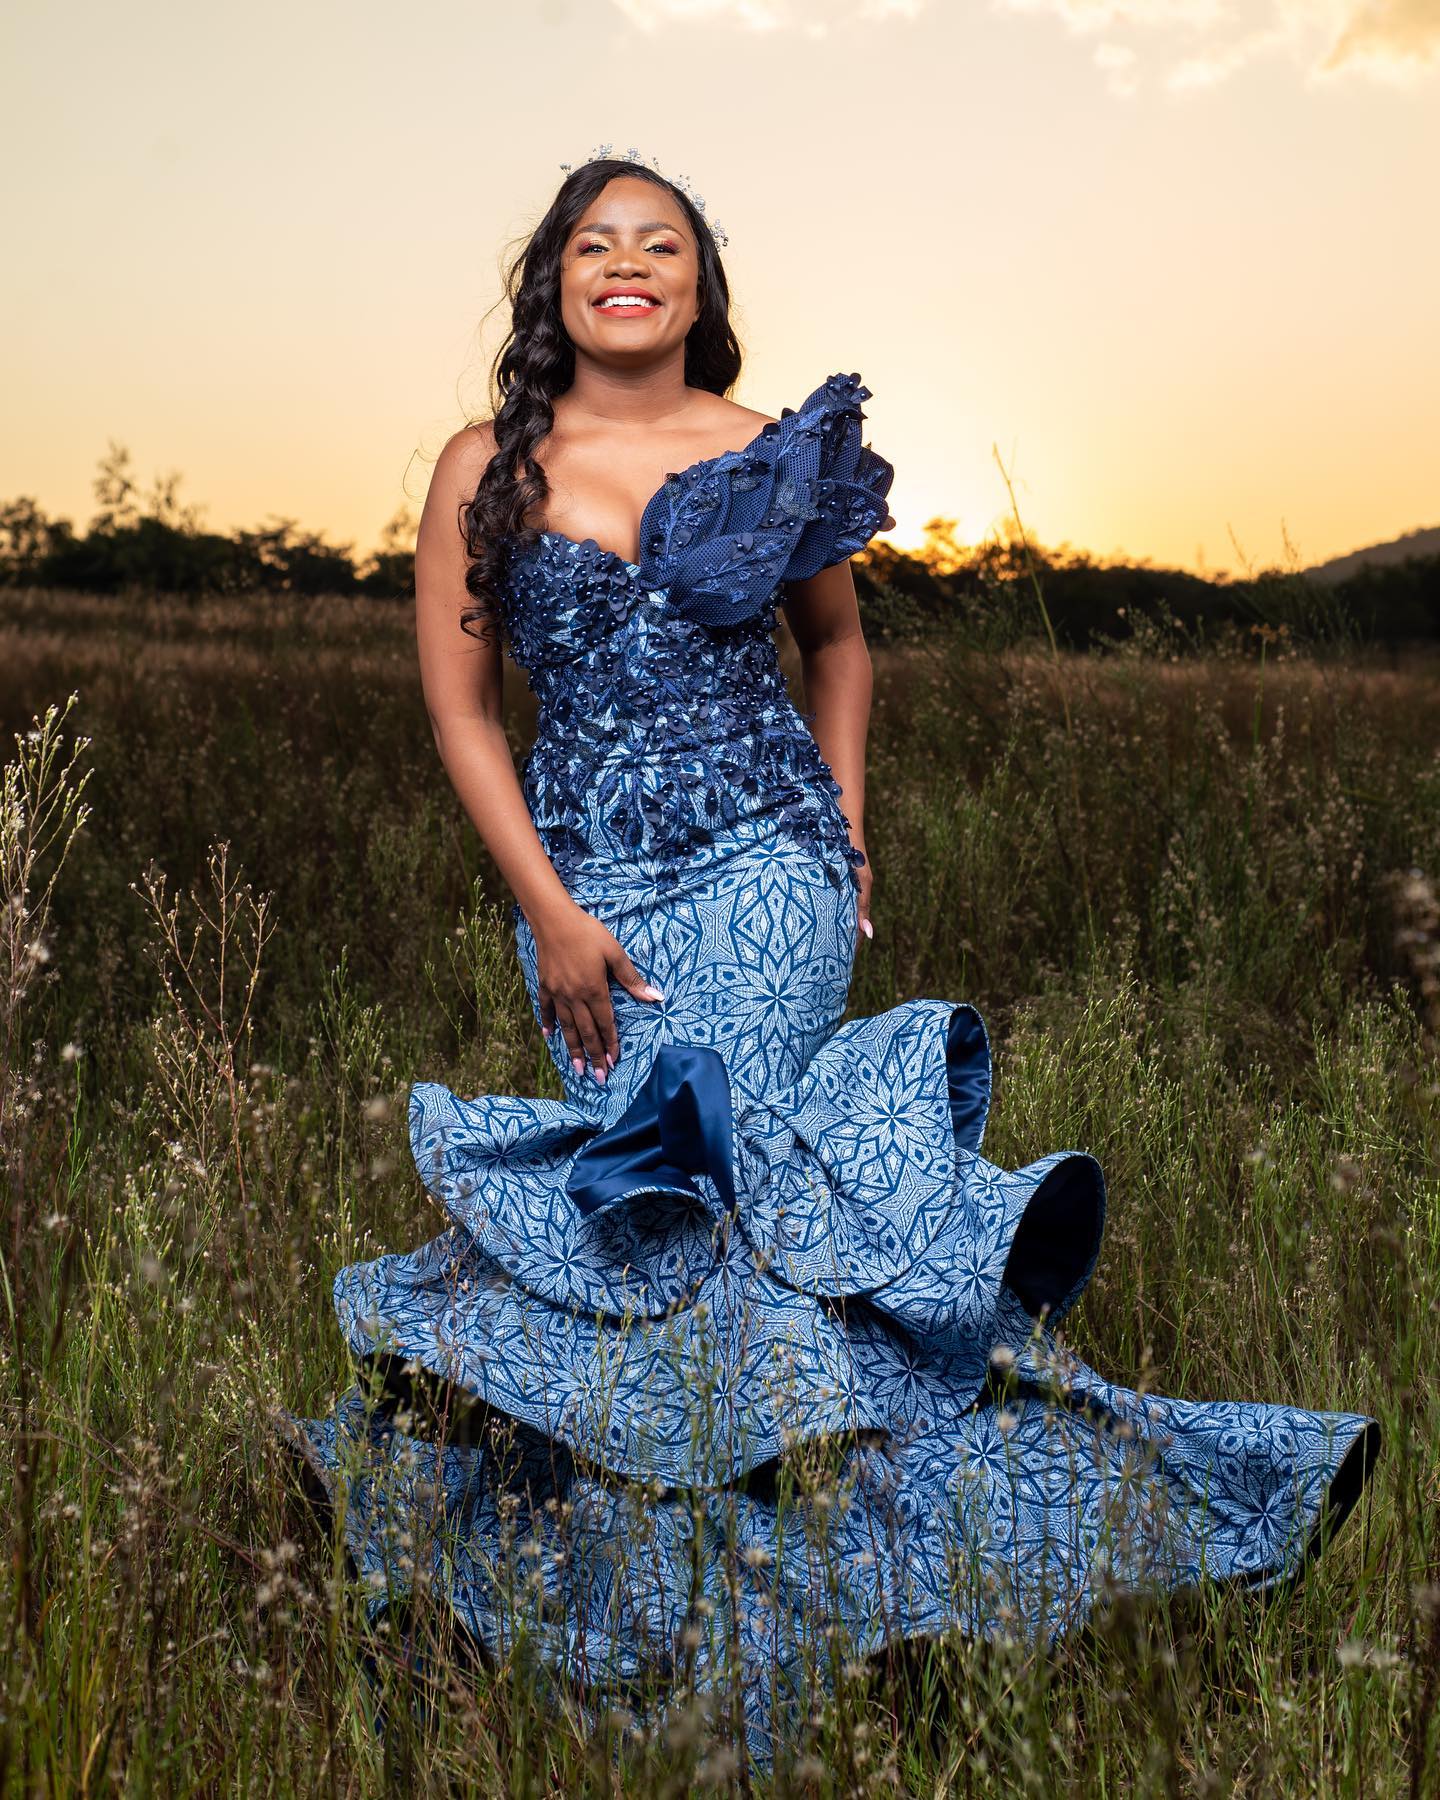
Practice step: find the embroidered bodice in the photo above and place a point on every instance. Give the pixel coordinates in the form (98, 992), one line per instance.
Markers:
(663, 712)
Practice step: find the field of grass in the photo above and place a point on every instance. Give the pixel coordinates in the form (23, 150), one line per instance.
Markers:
(1194, 897)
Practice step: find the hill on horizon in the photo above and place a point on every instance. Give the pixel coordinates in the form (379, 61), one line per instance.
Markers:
(1423, 541)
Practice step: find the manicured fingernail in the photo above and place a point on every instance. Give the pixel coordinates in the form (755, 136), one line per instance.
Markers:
(650, 993)
(577, 1063)
(546, 1030)
(600, 1075)
(609, 1060)
(867, 928)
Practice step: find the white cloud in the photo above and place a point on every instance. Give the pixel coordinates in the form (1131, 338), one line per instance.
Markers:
(1390, 36)
(1195, 43)
(1118, 62)
(811, 18)
(1202, 42)
(1103, 15)
(753, 15)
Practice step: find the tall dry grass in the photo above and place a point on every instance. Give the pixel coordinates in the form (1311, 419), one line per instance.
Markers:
(1195, 897)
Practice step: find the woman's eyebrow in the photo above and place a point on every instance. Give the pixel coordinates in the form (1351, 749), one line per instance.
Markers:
(649, 225)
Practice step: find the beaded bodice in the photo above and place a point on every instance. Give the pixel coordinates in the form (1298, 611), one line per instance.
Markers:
(664, 718)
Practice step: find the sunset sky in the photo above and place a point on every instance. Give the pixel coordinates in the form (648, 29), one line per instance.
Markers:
(1176, 260)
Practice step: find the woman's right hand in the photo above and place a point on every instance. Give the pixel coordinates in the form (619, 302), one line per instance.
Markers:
(576, 959)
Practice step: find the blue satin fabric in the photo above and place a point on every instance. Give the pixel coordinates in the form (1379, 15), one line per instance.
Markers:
(773, 1230)
(678, 1125)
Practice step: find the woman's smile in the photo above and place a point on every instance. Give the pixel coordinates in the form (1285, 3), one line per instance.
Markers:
(627, 303)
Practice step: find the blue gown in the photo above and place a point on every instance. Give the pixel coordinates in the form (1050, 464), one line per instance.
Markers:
(602, 1386)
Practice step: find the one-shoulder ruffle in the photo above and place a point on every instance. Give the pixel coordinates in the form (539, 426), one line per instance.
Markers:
(805, 494)
(717, 539)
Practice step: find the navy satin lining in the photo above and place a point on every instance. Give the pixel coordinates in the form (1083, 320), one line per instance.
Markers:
(967, 1076)
(1057, 1242)
(679, 1124)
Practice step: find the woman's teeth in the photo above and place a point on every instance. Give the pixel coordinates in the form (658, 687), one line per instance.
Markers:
(625, 300)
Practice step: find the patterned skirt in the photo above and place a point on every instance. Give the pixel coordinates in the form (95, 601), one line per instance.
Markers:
(744, 1367)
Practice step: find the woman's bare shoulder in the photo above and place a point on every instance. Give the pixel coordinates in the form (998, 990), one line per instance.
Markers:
(464, 458)
(743, 422)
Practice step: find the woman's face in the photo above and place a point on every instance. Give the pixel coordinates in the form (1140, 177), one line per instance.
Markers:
(630, 238)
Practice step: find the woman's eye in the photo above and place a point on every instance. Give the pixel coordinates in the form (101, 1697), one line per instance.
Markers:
(673, 249)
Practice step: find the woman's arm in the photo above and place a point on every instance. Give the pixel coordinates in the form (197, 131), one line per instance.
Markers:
(462, 677)
(824, 616)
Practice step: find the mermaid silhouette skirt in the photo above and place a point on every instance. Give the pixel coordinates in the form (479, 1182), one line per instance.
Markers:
(744, 1365)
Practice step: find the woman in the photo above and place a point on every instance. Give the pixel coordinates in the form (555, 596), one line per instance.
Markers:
(741, 1354)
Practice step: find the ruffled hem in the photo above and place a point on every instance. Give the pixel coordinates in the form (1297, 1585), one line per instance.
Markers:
(1018, 1518)
(821, 1258)
(635, 1329)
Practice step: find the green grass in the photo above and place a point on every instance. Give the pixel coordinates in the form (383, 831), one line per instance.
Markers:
(1174, 884)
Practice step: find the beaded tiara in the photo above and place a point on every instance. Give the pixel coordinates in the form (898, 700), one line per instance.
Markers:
(601, 151)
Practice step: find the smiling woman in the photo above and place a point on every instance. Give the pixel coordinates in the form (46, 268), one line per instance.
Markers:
(616, 396)
(738, 1362)
(631, 293)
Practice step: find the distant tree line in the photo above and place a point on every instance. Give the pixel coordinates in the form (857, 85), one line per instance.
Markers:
(152, 541)
(1010, 587)
(1004, 589)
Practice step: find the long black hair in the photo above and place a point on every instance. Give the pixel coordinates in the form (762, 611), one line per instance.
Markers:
(537, 361)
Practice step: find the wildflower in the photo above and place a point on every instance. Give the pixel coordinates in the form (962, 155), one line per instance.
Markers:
(1353, 1654)
(1345, 1176)
(717, 1767)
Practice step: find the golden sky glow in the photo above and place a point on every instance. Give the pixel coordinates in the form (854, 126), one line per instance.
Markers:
(1175, 259)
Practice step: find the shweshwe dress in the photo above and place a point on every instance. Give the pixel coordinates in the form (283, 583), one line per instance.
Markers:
(591, 1397)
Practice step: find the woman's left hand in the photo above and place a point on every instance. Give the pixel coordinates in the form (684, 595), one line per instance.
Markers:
(865, 878)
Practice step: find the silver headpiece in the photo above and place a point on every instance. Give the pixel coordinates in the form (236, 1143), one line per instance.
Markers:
(601, 151)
